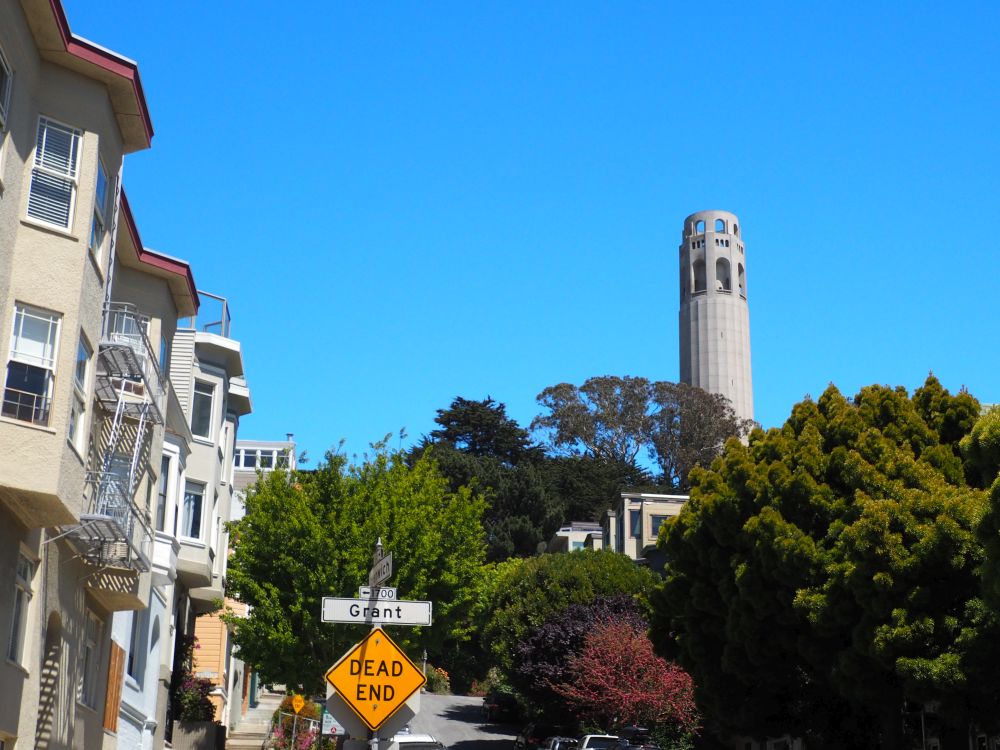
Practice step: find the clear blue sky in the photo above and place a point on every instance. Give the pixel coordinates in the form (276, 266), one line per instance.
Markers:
(405, 202)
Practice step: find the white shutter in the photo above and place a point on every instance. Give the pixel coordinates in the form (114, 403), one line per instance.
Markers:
(53, 179)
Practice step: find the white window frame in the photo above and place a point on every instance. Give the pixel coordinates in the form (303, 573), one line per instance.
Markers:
(90, 660)
(211, 408)
(99, 219)
(23, 573)
(43, 362)
(193, 488)
(5, 97)
(69, 176)
(78, 408)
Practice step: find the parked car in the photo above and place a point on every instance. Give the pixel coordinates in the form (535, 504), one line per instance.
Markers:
(559, 743)
(636, 738)
(598, 742)
(534, 734)
(408, 741)
(499, 707)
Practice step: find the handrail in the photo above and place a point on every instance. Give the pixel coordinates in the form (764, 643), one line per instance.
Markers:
(112, 499)
(124, 325)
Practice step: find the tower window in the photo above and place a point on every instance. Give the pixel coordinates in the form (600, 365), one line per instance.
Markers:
(741, 274)
(698, 271)
(723, 283)
(699, 227)
(720, 225)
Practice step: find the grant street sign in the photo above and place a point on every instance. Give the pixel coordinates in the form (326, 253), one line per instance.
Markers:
(375, 678)
(376, 611)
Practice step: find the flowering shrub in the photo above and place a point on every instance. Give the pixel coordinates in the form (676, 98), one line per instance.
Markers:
(189, 694)
(438, 681)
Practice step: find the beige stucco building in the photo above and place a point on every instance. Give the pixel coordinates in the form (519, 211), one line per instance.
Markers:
(88, 315)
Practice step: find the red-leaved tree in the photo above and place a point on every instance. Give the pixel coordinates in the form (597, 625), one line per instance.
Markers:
(617, 680)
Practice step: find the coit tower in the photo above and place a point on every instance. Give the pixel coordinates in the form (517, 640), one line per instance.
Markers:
(714, 317)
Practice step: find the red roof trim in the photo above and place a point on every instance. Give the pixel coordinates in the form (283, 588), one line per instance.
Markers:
(105, 60)
(153, 258)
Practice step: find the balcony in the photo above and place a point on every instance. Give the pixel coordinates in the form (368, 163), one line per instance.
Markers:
(114, 536)
(128, 374)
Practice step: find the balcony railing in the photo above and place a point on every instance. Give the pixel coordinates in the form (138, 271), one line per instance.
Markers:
(128, 362)
(213, 315)
(25, 406)
(115, 532)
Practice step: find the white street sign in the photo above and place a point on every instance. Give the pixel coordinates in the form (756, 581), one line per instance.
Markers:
(381, 571)
(376, 611)
(369, 592)
(331, 725)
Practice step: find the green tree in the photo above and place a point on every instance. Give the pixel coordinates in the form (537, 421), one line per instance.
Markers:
(613, 419)
(833, 564)
(311, 534)
(477, 445)
(688, 428)
(521, 594)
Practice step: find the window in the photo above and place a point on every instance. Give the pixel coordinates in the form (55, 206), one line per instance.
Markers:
(194, 495)
(54, 175)
(136, 649)
(635, 523)
(6, 84)
(266, 459)
(575, 546)
(720, 225)
(655, 522)
(201, 409)
(78, 410)
(161, 494)
(31, 366)
(90, 657)
(99, 222)
(19, 617)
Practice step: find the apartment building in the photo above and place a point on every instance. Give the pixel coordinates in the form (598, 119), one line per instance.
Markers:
(633, 526)
(86, 402)
(206, 365)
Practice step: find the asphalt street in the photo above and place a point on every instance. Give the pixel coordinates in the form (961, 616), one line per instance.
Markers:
(457, 721)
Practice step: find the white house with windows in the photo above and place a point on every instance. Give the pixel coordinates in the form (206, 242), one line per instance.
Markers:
(633, 526)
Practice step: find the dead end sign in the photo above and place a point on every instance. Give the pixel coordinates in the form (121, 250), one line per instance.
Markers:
(375, 678)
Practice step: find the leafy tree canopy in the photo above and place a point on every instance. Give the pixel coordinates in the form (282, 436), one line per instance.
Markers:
(482, 428)
(614, 418)
(521, 594)
(311, 534)
(833, 562)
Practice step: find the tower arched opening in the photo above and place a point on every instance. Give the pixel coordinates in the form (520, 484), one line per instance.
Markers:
(699, 281)
(720, 225)
(723, 279)
(741, 277)
(699, 226)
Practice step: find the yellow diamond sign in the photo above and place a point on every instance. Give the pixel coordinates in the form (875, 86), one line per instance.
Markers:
(375, 678)
(298, 702)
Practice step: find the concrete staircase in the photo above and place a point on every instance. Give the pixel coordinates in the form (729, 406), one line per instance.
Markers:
(251, 732)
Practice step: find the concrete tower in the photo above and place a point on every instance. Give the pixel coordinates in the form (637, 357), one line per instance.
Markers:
(714, 317)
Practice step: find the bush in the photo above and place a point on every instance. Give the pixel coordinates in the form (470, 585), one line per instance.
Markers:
(305, 738)
(438, 681)
(189, 694)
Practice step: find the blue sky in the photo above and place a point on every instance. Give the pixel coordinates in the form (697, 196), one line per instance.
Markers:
(405, 202)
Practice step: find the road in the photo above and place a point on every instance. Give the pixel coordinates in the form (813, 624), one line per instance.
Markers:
(457, 721)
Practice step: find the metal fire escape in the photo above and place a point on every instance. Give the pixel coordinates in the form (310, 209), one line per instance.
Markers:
(130, 390)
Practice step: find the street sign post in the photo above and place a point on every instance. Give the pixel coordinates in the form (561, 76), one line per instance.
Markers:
(375, 678)
(376, 611)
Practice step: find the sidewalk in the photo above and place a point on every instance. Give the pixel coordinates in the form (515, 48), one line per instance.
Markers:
(251, 732)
